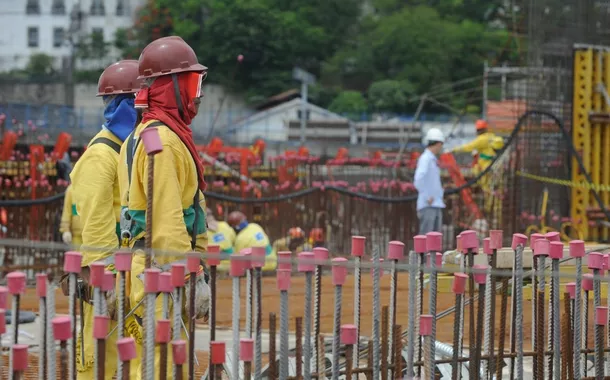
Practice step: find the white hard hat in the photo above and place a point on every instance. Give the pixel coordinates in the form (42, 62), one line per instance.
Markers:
(434, 134)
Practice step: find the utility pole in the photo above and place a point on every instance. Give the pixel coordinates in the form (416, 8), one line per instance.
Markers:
(306, 80)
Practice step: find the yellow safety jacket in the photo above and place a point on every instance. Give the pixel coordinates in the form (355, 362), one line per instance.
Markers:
(253, 235)
(486, 144)
(283, 244)
(223, 236)
(95, 187)
(70, 221)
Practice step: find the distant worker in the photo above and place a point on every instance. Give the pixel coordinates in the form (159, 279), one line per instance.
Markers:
(293, 242)
(70, 226)
(250, 235)
(430, 202)
(220, 233)
(316, 237)
(485, 145)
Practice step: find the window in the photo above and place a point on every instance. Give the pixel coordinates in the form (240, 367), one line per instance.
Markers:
(120, 8)
(33, 36)
(58, 7)
(97, 34)
(32, 7)
(58, 37)
(97, 8)
(306, 115)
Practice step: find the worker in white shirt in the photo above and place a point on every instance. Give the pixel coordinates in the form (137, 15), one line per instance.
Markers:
(430, 203)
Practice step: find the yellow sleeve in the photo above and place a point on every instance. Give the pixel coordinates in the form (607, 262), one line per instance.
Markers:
(66, 213)
(478, 144)
(94, 198)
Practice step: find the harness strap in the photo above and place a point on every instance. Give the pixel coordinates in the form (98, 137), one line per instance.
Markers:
(109, 143)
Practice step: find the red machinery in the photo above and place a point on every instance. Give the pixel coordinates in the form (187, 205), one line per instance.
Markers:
(448, 162)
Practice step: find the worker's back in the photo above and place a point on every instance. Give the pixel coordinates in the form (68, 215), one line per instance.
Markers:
(222, 236)
(252, 235)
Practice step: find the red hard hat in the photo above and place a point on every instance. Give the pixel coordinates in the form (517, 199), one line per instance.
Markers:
(119, 78)
(296, 232)
(481, 124)
(168, 55)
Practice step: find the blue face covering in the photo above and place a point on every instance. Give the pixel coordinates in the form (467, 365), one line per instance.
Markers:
(121, 115)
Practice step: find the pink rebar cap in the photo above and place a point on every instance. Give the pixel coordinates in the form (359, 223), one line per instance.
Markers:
(96, 274)
(3, 297)
(72, 262)
(237, 265)
(577, 248)
(396, 250)
(127, 349)
(178, 272)
(193, 260)
(2, 321)
(246, 349)
(556, 250)
(213, 255)
(495, 239)
(165, 282)
(284, 260)
(164, 332)
(283, 279)
(247, 254)
(571, 288)
(20, 357)
(486, 246)
(152, 141)
(480, 273)
(151, 280)
(534, 238)
(358, 243)
(217, 352)
(518, 239)
(179, 351)
(349, 334)
(425, 325)
(595, 260)
(458, 243)
(306, 262)
(62, 329)
(541, 247)
(438, 262)
(16, 283)
(587, 282)
(122, 260)
(100, 326)
(459, 283)
(470, 241)
(419, 244)
(601, 315)
(320, 254)
(41, 285)
(109, 281)
(258, 257)
(339, 271)
(380, 268)
(552, 236)
(434, 242)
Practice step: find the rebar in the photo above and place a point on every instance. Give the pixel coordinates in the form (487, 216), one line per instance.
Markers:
(191, 332)
(258, 351)
(149, 330)
(357, 299)
(535, 326)
(411, 338)
(462, 316)
(72, 279)
(316, 309)
(349, 365)
(432, 305)
(502, 338)
(419, 307)
(488, 326)
(42, 359)
(392, 316)
(471, 315)
(307, 311)
(376, 313)
(213, 270)
(428, 359)
(284, 335)
(384, 342)
(397, 353)
(51, 350)
(585, 332)
(607, 356)
(513, 308)
(455, 366)
(101, 358)
(249, 280)
(298, 322)
(599, 351)
(555, 342)
(577, 319)
(235, 347)
(479, 335)
(121, 315)
(519, 311)
(177, 309)
(336, 331)
(272, 353)
(540, 338)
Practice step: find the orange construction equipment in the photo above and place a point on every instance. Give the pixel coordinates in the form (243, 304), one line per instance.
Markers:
(9, 140)
(448, 162)
(61, 146)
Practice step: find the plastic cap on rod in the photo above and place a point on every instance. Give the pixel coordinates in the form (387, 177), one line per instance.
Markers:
(518, 239)
(339, 270)
(213, 255)
(419, 244)
(15, 282)
(72, 262)
(358, 243)
(495, 239)
(127, 349)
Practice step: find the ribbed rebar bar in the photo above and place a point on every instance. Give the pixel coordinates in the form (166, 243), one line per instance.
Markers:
(577, 320)
(411, 331)
(307, 311)
(376, 313)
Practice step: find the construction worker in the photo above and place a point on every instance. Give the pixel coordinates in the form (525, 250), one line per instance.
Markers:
(220, 233)
(485, 145)
(70, 226)
(250, 235)
(316, 237)
(174, 77)
(95, 189)
(427, 181)
(294, 242)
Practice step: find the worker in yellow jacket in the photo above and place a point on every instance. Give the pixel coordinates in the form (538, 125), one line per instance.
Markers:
(250, 235)
(486, 144)
(95, 188)
(174, 77)
(293, 242)
(70, 227)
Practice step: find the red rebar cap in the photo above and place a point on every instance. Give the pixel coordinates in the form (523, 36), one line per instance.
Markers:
(339, 270)
(306, 262)
(419, 243)
(601, 315)
(577, 248)
(163, 333)
(479, 273)
(41, 285)
(193, 260)
(396, 250)
(587, 282)
(109, 281)
(2, 321)
(62, 329)
(425, 325)
(470, 241)
(179, 351)
(552, 236)
(3, 297)
(122, 260)
(16, 283)
(237, 265)
(495, 239)
(258, 257)
(217, 352)
(101, 324)
(571, 288)
(247, 254)
(518, 239)
(541, 247)
(380, 268)
(438, 262)
(127, 349)
(151, 280)
(96, 274)
(284, 260)
(434, 242)
(486, 246)
(20, 357)
(178, 272)
(556, 250)
(152, 141)
(459, 283)
(358, 245)
(533, 239)
(246, 349)
(283, 279)
(349, 334)
(213, 255)
(165, 282)
(320, 254)
(595, 260)
(72, 262)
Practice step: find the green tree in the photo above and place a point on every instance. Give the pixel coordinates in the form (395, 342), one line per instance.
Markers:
(390, 95)
(350, 104)
(40, 66)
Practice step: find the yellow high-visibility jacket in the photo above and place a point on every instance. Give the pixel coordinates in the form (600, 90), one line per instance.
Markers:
(223, 236)
(70, 221)
(484, 145)
(253, 235)
(284, 243)
(96, 196)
